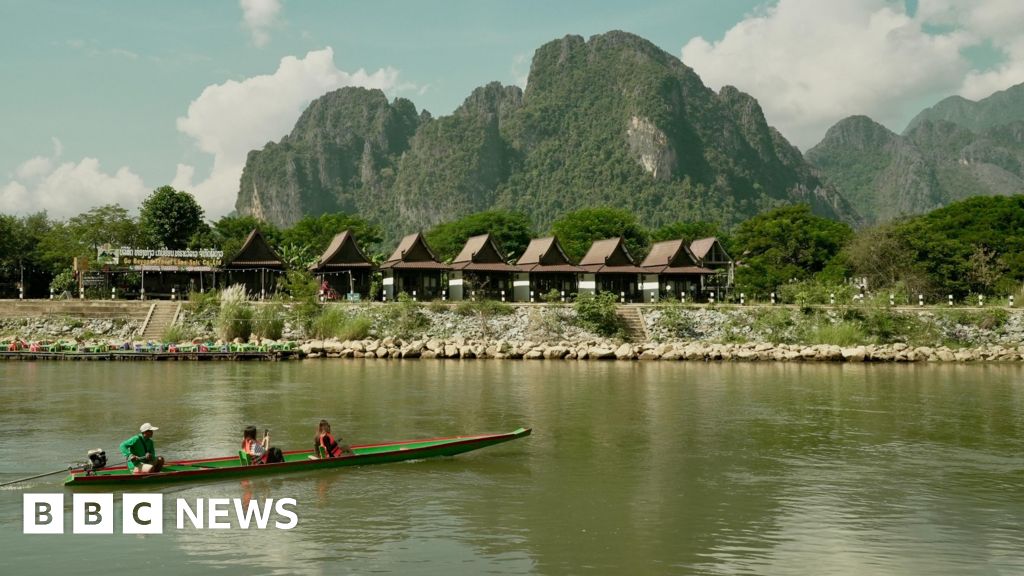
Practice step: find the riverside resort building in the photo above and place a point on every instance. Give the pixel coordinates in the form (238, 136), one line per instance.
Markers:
(673, 270)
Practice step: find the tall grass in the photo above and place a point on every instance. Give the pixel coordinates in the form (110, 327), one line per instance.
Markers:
(268, 321)
(333, 322)
(841, 333)
(235, 317)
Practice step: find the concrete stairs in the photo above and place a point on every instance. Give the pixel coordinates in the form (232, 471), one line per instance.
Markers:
(162, 316)
(633, 322)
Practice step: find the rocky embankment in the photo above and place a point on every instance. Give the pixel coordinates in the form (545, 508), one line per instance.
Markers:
(677, 351)
(552, 332)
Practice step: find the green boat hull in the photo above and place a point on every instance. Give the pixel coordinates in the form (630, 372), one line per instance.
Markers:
(297, 461)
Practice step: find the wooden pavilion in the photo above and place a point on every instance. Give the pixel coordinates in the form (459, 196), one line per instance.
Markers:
(608, 267)
(257, 266)
(480, 271)
(343, 270)
(671, 271)
(414, 269)
(544, 267)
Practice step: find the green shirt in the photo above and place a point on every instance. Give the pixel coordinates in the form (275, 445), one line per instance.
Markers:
(137, 445)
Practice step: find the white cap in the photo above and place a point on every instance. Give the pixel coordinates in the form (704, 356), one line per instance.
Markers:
(146, 427)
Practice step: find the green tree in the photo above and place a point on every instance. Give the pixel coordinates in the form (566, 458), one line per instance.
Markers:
(312, 234)
(972, 246)
(689, 231)
(171, 217)
(784, 244)
(511, 230)
(229, 232)
(577, 230)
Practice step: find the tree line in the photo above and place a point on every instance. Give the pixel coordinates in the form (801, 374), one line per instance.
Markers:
(972, 247)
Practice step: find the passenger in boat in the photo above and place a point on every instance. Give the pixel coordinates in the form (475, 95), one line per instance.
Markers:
(256, 450)
(140, 451)
(333, 448)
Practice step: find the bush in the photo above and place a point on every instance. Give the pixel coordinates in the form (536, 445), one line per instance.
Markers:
(203, 302)
(677, 322)
(268, 321)
(839, 334)
(63, 282)
(597, 313)
(810, 292)
(552, 296)
(403, 318)
(485, 308)
(176, 333)
(437, 307)
(775, 325)
(301, 285)
(333, 322)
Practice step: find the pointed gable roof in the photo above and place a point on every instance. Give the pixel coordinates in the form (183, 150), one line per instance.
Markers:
(481, 253)
(413, 252)
(672, 257)
(609, 256)
(545, 255)
(343, 252)
(709, 250)
(256, 253)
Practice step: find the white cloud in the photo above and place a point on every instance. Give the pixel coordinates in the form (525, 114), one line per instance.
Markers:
(521, 69)
(228, 120)
(259, 16)
(70, 188)
(811, 63)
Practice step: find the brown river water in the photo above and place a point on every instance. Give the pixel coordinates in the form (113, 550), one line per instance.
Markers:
(632, 468)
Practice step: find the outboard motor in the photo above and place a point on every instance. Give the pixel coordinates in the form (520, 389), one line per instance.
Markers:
(97, 460)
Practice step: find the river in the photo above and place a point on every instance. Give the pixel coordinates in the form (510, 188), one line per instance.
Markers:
(632, 468)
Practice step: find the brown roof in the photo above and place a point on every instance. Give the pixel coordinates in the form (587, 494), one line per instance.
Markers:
(670, 253)
(544, 252)
(412, 248)
(342, 252)
(700, 248)
(423, 265)
(256, 253)
(677, 270)
(609, 256)
(548, 269)
(483, 267)
(480, 249)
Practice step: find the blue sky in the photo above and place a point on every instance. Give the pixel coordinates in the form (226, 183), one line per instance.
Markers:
(104, 101)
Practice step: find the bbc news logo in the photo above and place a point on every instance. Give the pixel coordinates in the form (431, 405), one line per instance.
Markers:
(144, 513)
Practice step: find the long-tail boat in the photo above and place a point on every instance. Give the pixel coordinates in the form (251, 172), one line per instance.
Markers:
(294, 461)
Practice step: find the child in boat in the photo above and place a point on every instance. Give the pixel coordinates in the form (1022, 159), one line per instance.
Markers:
(256, 450)
(333, 448)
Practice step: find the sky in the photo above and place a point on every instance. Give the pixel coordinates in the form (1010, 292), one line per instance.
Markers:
(101, 102)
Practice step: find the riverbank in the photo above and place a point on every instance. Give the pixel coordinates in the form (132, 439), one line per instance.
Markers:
(553, 331)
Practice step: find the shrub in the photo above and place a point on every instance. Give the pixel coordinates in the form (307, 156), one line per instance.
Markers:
(403, 318)
(552, 296)
(485, 308)
(775, 325)
(301, 285)
(333, 322)
(839, 334)
(356, 328)
(176, 333)
(203, 302)
(597, 313)
(677, 322)
(63, 282)
(268, 321)
(810, 292)
(437, 307)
